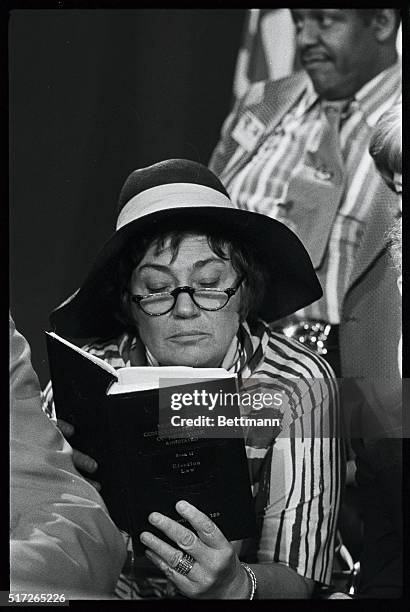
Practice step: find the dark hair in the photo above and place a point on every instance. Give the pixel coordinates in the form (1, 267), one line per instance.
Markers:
(243, 262)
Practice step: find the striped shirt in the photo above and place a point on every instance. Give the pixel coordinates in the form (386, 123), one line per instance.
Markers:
(262, 184)
(296, 470)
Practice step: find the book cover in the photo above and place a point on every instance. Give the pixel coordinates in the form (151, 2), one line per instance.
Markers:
(140, 467)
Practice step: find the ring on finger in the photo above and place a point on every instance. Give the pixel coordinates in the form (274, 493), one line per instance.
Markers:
(185, 564)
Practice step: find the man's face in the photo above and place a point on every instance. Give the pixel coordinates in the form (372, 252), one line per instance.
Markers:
(187, 335)
(337, 49)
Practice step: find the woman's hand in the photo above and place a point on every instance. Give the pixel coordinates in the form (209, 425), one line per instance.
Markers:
(82, 462)
(216, 573)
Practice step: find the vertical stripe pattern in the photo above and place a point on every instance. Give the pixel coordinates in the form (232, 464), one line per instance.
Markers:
(261, 185)
(295, 469)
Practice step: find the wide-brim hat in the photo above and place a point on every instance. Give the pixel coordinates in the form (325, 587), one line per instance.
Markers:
(180, 193)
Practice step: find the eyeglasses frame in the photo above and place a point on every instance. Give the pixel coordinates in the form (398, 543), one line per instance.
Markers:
(230, 291)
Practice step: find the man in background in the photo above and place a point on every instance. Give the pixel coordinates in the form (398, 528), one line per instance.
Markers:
(296, 149)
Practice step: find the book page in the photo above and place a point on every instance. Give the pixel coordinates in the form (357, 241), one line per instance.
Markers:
(142, 378)
(100, 362)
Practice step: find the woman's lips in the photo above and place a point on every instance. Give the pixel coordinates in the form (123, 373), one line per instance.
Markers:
(188, 336)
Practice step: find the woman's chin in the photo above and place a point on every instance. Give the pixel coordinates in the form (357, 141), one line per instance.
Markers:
(191, 359)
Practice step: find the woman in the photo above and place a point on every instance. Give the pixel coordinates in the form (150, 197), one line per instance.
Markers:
(182, 282)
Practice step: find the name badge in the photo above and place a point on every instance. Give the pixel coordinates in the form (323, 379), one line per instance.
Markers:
(322, 173)
(317, 171)
(247, 131)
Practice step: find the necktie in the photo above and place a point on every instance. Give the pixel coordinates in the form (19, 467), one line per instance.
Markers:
(317, 184)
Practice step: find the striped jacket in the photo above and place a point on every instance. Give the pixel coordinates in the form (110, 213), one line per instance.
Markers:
(265, 139)
(296, 470)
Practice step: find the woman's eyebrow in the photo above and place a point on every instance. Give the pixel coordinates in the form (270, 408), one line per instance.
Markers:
(203, 262)
(167, 269)
(159, 267)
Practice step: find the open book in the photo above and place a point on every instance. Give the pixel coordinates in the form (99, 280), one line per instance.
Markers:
(137, 378)
(117, 416)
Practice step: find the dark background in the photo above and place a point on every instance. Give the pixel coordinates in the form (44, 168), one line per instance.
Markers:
(94, 94)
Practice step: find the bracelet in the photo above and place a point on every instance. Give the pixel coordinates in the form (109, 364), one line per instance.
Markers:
(252, 579)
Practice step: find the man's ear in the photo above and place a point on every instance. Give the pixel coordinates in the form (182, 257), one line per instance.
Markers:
(384, 24)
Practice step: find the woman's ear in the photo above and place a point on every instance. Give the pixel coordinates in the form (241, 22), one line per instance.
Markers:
(384, 24)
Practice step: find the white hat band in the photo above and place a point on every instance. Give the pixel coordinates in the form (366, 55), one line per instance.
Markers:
(171, 195)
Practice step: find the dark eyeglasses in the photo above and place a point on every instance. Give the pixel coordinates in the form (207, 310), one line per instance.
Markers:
(157, 304)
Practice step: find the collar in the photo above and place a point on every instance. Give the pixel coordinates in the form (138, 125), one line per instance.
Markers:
(247, 349)
(131, 350)
(372, 99)
(311, 96)
(150, 359)
(376, 96)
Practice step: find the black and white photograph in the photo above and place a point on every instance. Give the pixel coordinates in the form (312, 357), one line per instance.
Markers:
(205, 304)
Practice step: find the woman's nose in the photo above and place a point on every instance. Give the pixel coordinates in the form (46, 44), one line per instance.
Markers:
(185, 307)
